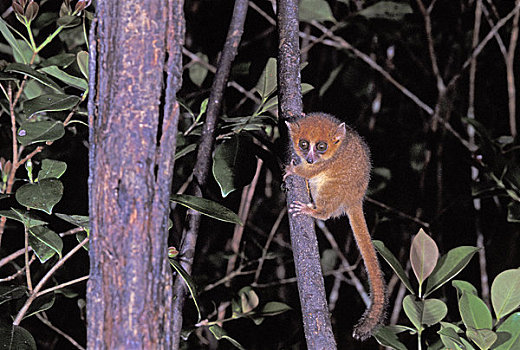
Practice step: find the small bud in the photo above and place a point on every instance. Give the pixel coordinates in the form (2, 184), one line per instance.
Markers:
(31, 11)
(172, 252)
(17, 8)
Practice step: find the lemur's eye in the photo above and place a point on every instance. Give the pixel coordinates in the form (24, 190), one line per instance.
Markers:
(321, 146)
(303, 144)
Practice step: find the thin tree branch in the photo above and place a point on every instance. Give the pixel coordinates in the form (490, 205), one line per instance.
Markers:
(201, 168)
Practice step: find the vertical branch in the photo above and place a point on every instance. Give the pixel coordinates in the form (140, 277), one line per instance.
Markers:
(511, 89)
(202, 164)
(315, 313)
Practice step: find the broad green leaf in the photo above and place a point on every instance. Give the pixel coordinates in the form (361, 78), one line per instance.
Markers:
(49, 238)
(318, 10)
(386, 337)
(220, 333)
(197, 72)
(424, 312)
(484, 338)
(509, 330)
(387, 9)
(434, 311)
(42, 251)
(16, 338)
(40, 131)
(423, 255)
(65, 77)
(61, 60)
(413, 309)
(26, 70)
(189, 283)
(505, 292)
(394, 264)
(463, 286)
(42, 195)
(8, 293)
(267, 83)
(448, 266)
(82, 59)
(49, 103)
(9, 37)
(248, 299)
(274, 308)
(474, 312)
(25, 217)
(207, 207)
(51, 169)
(77, 220)
(234, 164)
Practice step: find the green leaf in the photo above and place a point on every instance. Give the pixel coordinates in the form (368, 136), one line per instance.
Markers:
(248, 299)
(42, 195)
(16, 338)
(65, 77)
(189, 283)
(510, 332)
(463, 286)
(198, 72)
(484, 338)
(449, 266)
(386, 337)
(9, 37)
(8, 293)
(61, 60)
(207, 207)
(77, 220)
(82, 59)
(25, 217)
(387, 10)
(505, 292)
(40, 131)
(274, 308)
(26, 70)
(318, 10)
(423, 255)
(40, 304)
(394, 264)
(449, 336)
(68, 21)
(220, 333)
(233, 164)
(49, 239)
(80, 237)
(474, 312)
(427, 312)
(51, 169)
(267, 84)
(42, 251)
(49, 103)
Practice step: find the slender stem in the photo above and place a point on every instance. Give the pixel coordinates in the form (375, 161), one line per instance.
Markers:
(26, 254)
(62, 285)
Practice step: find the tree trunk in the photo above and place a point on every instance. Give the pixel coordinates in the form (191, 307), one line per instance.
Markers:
(133, 127)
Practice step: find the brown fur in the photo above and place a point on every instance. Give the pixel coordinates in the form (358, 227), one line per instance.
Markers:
(338, 179)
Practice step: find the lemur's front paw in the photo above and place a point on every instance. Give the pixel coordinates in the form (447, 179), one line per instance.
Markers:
(299, 208)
